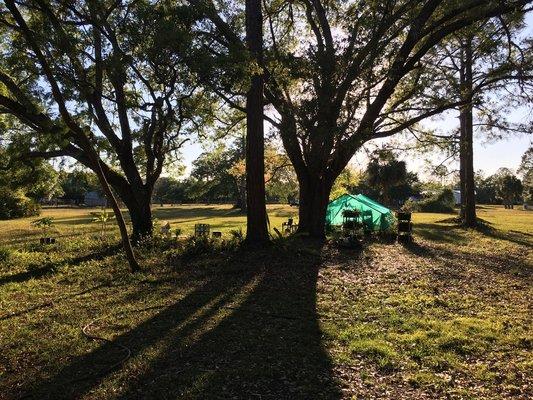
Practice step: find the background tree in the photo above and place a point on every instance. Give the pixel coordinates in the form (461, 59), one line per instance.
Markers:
(526, 171)
(213, 170)
(96, 81)
(509, 187)
(346, 182)
(169, 190)
(485, 61)
(219, 174)
(25, 184)
(385, 171)
(486, 189)
(76, 183)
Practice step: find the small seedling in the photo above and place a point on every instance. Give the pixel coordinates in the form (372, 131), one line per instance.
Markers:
(103, 217)
(44, 224)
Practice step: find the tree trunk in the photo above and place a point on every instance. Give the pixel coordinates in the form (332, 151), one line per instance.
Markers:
(462, 164)
(314, 198)
(241, 196)
(138, 206)
(257, 230)
(468, 197)
(130, 255)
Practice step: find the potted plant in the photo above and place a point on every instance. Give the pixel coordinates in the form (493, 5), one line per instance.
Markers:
(45, 224)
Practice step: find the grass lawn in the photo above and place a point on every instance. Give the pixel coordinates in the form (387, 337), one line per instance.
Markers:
(72, 222)
(446, 317)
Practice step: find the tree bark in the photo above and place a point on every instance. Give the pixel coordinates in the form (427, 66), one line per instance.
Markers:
(314, 198)
(138, 204)
(94, 163)
(468, 197)
(141, 219)
(257, 230)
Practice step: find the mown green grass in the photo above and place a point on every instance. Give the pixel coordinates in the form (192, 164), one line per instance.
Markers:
(446, 317)
(73, 222)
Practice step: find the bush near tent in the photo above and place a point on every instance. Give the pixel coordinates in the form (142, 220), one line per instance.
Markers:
(440, 202)
(374, 216)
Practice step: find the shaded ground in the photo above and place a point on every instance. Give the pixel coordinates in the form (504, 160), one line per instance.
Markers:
(446, 317)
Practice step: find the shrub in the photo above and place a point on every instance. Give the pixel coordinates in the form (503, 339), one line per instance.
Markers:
(237, 234)
(5, 253)
(196, 247)
(410, 205)
(15, 204)
(441, 202)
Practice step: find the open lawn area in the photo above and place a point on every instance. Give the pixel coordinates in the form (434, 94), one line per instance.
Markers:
(448, 316)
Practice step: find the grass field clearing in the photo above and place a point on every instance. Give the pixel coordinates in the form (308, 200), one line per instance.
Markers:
(449, 316)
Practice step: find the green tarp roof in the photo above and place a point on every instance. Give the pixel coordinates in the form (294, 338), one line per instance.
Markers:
(374, 215)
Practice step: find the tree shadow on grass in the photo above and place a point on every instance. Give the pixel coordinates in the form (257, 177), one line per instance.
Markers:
(516, 237)
(450, 231)
(249, 330)
(454, 261)
(440, 233)
(192, 213)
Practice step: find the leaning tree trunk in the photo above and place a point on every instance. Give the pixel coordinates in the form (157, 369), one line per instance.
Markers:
(257, 230)
(468, 197)
(130, 255)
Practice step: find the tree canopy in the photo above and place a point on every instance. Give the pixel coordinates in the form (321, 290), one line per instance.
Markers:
(100, 82)
(339, 74)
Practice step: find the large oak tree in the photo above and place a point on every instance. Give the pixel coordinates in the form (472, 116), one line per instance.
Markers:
(339, 74)
(100, 82)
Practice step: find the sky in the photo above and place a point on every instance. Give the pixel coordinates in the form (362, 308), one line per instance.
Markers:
(488, 156)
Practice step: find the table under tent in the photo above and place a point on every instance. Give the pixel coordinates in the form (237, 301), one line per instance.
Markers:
(371, 214)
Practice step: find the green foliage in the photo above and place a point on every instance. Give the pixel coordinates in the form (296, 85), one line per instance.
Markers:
(15, 204)
(44, 224)
(77, 183)
(509, 187)
(5, 254)
(237, 234)
(102, 218)
(200, 246)
(36, 179)
(440, 202)
(346, 182)
(169, 190)
(385, 172)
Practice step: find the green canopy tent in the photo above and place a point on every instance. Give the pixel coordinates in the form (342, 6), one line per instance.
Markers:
(375, 216)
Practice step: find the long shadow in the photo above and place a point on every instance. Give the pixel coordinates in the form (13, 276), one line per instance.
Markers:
(450, 233)
(519, 238)
(194, 212)
(249, 331)
(439, 233)
(50, 267)
(453, 262)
